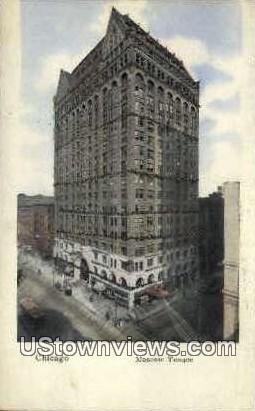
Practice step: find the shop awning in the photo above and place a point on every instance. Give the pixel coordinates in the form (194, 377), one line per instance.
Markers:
(158, 292)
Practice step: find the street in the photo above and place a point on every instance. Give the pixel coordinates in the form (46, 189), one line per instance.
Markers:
(61, 316)
(191, 314)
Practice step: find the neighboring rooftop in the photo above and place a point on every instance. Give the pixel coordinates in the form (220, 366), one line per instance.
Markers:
(25, 200)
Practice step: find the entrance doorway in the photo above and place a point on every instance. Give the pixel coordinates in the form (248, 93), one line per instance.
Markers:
(84, 270)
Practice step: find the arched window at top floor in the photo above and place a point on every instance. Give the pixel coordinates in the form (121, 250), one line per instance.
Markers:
(139, 79)
(178, 102)
(114, 84)
(169, 96)
(89, 105)
(124, 80)
(161, 102)
(114, 90)
(185, 114)
(139, 85)
(178, 111)
(160, 93)
(185, 108)
(151, 87)
(194, 122)
(170, 105)
(151, 97)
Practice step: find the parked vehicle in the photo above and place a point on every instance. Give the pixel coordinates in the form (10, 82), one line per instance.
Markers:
(68, 291)
(58, 285)
(30, 308)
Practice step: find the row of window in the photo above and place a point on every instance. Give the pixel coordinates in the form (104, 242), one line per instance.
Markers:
(127, 265)
(109, 95)
(161, 75)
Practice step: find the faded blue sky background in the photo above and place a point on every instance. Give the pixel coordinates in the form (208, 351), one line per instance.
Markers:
(206, 35)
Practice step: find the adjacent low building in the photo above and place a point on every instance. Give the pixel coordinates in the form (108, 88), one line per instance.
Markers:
(219, 243)
(35, 223)
(211, 233)
(231, 192)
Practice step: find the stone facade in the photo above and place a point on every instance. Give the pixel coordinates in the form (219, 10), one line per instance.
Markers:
(126, 164)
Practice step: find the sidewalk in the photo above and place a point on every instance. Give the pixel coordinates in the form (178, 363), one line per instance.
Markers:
(96, 309)
(104, 312)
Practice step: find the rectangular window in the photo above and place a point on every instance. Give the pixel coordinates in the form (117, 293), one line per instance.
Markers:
(124, 250)
(139, 251)
(150, 248)
(125, 265)
(139, 193)
(149, 220)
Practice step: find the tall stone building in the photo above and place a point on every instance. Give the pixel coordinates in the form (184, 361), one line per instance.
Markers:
(126, 165)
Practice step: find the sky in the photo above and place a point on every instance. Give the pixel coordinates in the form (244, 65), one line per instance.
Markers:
(205, 35)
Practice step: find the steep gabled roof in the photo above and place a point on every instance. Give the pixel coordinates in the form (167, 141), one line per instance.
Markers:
(131, 25)
(117, 18)
(64, 83)
(116, 30)
(119, 26)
